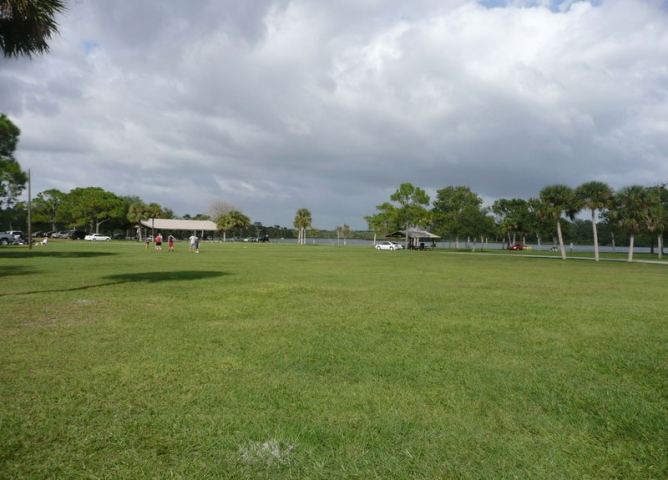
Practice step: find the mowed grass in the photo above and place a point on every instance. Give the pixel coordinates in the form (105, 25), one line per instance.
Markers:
(325, 362)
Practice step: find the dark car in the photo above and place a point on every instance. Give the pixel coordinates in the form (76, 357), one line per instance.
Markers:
(517, 246)
(76, 235)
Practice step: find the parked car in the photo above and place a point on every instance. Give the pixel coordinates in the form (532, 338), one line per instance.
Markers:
(16, 233)
(97, 237)
(76, 235)
(517, 246)
(6, 239)
(118, 236)
(397, 246)
(386, 246)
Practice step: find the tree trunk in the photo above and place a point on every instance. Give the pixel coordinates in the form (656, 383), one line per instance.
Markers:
(595, 231)
(561, 241)
(660, 242)
(631, 240)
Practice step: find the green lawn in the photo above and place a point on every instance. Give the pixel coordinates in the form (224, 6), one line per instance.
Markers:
(325, 362)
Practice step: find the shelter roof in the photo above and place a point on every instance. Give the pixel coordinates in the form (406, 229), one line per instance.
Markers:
(413, 233)
(172, 224)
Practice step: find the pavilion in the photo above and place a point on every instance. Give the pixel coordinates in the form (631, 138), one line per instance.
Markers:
(414, 235)
(197, 227)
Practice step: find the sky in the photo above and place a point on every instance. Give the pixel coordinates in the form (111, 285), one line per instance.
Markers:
(277, 105)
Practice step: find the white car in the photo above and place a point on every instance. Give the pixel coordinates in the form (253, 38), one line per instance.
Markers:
(388, 246)
(97, 237)
(397, 246)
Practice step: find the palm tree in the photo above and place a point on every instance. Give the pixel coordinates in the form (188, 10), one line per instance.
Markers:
(137, 212)
(234, 219)
(657, 211)
(26, 25)
(343, 231)
(557, 201)
(594, 196)
(302, 222)
(631, 212)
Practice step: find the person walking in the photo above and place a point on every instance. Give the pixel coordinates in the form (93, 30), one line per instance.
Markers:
(158, 242)
(192, 240)
(170, 242)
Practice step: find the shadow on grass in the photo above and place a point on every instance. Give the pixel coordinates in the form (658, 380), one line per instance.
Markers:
(146, 277)
(155, 277)
(10, 270)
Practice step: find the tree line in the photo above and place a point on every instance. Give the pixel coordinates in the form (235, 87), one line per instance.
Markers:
(457, 212)
(95, 210)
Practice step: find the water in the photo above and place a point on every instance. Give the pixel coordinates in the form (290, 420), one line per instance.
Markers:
(470, 246)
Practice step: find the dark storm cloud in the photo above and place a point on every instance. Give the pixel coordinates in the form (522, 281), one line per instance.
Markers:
(278, 105)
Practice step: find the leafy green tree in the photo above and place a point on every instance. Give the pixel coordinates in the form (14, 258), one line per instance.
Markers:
(232, 220)
(514, 217)
(579, 231)
(46, 205)
(12, 179)
(412, 211)
(458, 211)
(594, 196)
(91, 207)
(27, 25)
(384, 221)
(558, 201)
(302, 222)
(476, 222)
(167, 213)
(631, 212)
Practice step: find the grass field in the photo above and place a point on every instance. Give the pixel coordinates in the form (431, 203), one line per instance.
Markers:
(323, 362)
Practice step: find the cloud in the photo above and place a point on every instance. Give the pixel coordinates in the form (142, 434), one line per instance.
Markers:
(278, 105)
